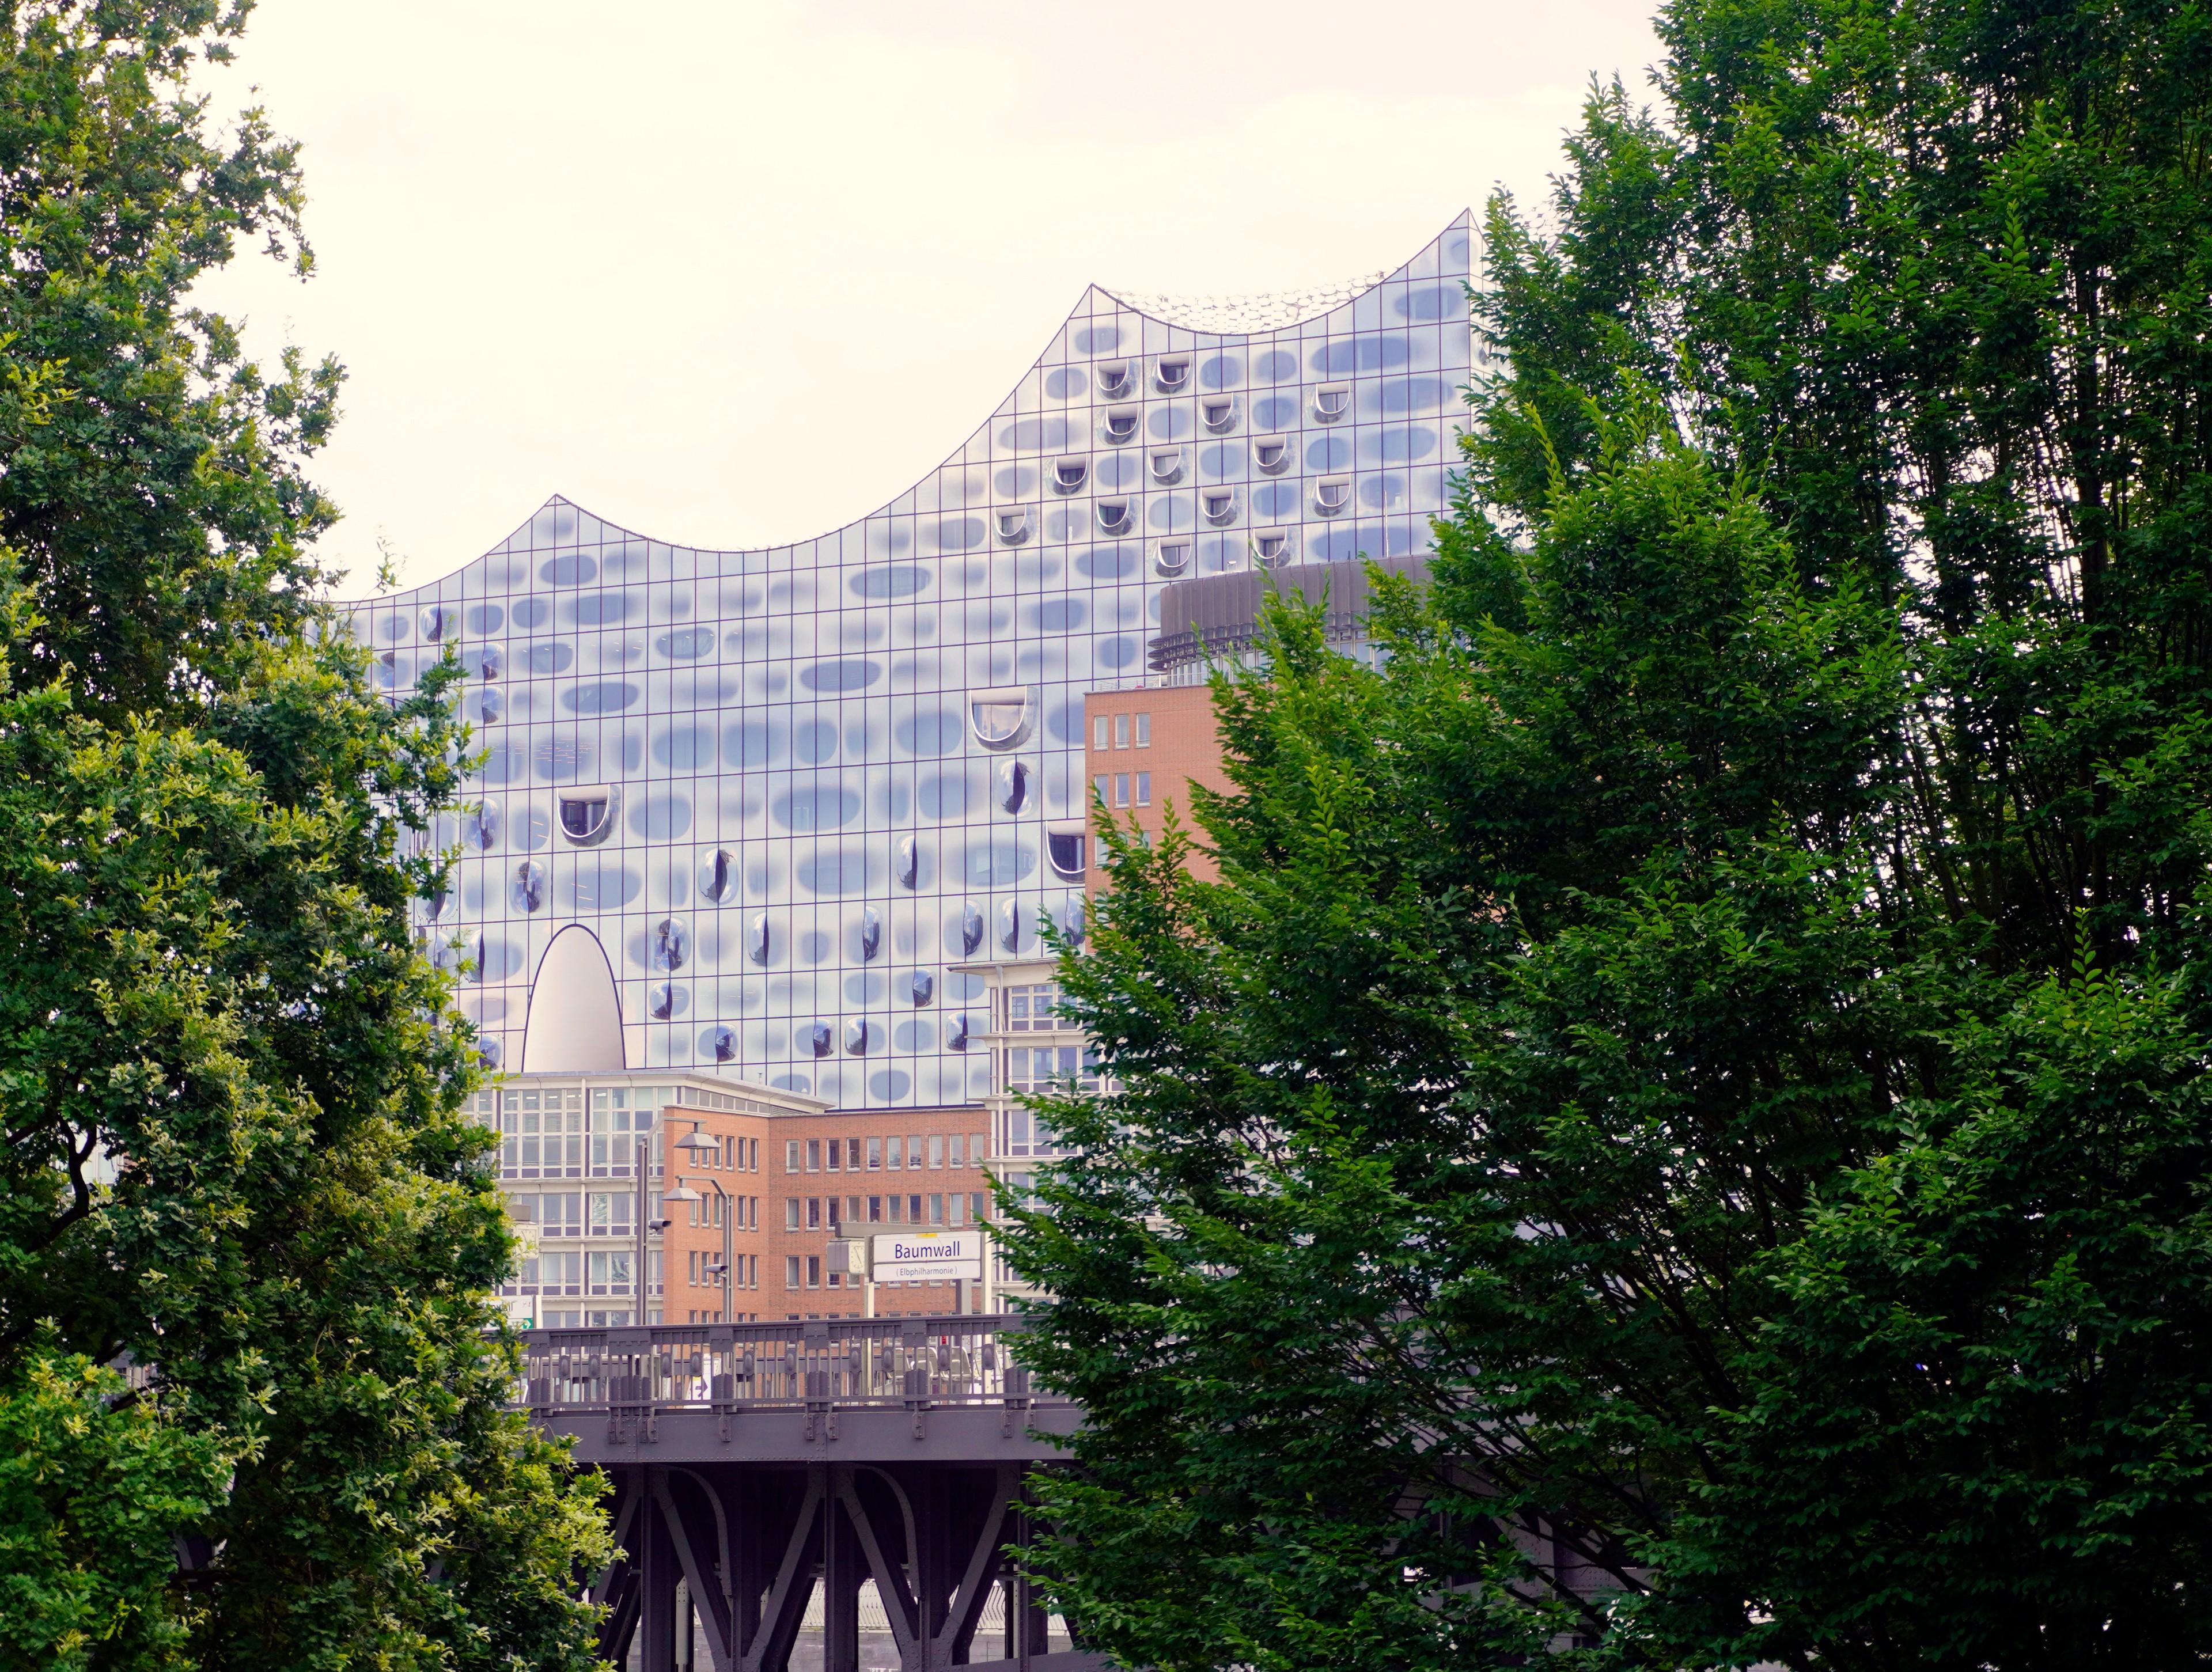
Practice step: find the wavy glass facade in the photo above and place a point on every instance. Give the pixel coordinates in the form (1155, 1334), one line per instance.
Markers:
(796, 796)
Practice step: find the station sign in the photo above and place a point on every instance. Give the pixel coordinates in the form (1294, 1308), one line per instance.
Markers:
(920, 1257)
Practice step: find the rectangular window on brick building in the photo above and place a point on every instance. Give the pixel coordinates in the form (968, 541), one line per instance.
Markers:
(1121, 789)
(979, 1145)
(1144, 731)
(875, 1153)
(875, 1210)
(790, 1155)
(813, 1271)
(814, 1213)
(791, 1271)
(791, 1213)
(1121, 730)
(1099, 784)
(1144, 789)
(1099, 732)
(814, 1155)
(936, 1149)
(894, 1150)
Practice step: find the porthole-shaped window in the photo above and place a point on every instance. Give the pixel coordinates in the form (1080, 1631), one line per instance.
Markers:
(387, 667)
(480, 827)
(1172, 558)
(1166, 466)
(909, 861)
(439, 902)
(720, 1041)
(1122, 423)
(1069, 474)
(922, 989)
(999, 717)
(1271, 547)
(671, 945)
(956, 1032)
(857, 1035)
(487, 707)
(435, 621)
(1010, 926)
(1218, 414)
(1331, 402)
(1072, 923)
(1063, 846)
(818, 1038)
(1116, 379)
(490, 1053)
(1172, 374)
(483, 661)
(1219, 505)
(528, 890)
(756, 941)
(1271, 455)
(718, 877)
(872, 934)
(971, 928)
(1013, 785)
(1332, 494)
(1116, 516)
(1014, 526)
(662, 999)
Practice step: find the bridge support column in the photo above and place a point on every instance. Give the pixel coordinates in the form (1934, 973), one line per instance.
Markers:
(658, 1573)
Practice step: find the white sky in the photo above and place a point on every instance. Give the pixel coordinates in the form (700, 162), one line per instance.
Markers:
(730, 274)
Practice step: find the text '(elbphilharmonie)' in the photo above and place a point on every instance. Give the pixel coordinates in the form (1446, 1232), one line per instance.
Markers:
(770, 815)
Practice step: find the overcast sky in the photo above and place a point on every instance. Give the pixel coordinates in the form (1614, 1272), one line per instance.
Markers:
(735, 273)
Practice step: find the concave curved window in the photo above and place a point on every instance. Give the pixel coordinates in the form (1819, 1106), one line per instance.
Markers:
(1171, 374)
(1272, 549)
(1014, 526)
(1115, 515)
(1173, 558)
(999, 718)
(1332, 401)
(1272, 456)
(1167, 466)
(585, 812)
(1121, 424)
(1114, 378)
(1068, 474)
(1331, 498)
(1065, 849)
(1218, 415)
(1219, 505)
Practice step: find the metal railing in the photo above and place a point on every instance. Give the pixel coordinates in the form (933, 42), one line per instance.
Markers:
(897, 1363)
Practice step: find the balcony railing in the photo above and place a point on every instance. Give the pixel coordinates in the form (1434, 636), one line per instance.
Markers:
(723, 1368)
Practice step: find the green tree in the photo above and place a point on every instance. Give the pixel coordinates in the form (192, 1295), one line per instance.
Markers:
(1679, 1137)
(251, 1377)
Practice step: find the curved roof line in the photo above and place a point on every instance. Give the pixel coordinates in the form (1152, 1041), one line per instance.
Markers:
(1339, 295)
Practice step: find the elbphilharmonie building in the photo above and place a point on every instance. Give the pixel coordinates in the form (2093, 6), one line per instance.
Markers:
(772, 815)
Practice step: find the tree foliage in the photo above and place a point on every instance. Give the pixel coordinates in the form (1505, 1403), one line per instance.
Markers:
(235, 1164)
(1680, 1136)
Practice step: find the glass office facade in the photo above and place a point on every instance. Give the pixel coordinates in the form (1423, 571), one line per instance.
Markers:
(797, 795)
